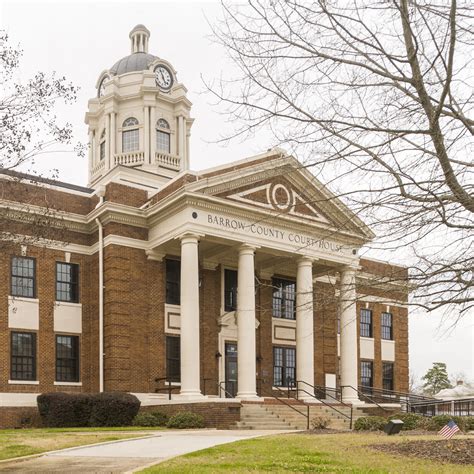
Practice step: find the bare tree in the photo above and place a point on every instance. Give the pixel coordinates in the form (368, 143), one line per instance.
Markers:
(28, 128)
(375, 96)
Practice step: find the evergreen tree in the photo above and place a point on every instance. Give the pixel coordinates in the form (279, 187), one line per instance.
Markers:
(436, 379)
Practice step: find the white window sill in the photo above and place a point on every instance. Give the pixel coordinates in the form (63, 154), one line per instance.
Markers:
(367, 338)
(173, 384)
(67, 303)
(23, 382)
(68, 384)
(23, 298)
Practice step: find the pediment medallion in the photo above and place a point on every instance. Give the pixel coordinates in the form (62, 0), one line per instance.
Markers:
(280, 197)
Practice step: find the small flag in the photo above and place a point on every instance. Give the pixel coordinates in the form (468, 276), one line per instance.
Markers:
(449, 430)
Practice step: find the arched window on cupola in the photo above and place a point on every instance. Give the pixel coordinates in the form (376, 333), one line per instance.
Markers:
(162, 136)
(130, 135)
(102, 145)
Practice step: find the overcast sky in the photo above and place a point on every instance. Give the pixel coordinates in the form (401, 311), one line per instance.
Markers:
(80, 40)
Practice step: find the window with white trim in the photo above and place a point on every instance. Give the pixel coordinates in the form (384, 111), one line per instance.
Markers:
(130, 135)
(163, 142)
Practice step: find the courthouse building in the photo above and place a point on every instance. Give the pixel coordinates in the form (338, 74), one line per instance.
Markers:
(246, 275)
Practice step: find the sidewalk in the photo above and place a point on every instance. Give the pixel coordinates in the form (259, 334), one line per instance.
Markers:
(130, 455)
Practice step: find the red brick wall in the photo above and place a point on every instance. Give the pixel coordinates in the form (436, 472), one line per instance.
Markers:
(220, 415)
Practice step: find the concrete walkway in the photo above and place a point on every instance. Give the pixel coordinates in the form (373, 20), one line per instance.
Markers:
(130, 455)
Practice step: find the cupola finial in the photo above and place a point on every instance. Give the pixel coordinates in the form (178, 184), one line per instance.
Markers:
(139, 39)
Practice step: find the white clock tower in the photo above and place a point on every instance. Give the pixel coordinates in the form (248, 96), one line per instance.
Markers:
(140, 117)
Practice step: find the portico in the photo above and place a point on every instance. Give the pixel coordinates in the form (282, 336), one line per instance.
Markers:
(210, 234)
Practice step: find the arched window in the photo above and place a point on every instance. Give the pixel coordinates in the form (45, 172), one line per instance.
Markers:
(163, 135)
(102, 145)
(130, 135)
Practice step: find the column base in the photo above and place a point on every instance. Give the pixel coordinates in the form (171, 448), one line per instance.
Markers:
(353, 401)
(248, 396)
(191, 395)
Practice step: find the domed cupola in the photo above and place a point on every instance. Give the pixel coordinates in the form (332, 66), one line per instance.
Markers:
(139, 59)
(141, 116)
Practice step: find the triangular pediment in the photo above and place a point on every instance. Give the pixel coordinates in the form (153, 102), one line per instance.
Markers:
(280, 196)
(280, 186)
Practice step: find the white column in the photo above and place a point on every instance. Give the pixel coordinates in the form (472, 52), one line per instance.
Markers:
(246, 344)
(152, 134)
(108, 159)
(91, 161)
(190, 361)
(349, 359)
(146, 138)
(113, 137)
(304, 327)
(180, 142)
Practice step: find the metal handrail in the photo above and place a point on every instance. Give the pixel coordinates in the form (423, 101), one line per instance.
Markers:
(350, 417)
(168, 388)
(407, 395)
(281, 400)
(221, 388)
(361, 393)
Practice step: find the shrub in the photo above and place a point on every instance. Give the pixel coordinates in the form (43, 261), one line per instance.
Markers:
(80, 409)
(64, 409)
(469, 423)
(152, 418)
(114, 409)
(435, 423)
(320, 422)
(411, 421)
(186, 419)
(370, 423)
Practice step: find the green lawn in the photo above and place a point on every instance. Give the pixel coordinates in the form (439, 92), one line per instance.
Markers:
(306, 453)
(15, 443)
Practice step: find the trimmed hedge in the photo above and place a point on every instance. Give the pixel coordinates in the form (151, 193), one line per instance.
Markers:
(411, 421)
(113, 409)
(186, 419)
(151, 418)
(64, 410)
(435, 423)
(80, 409)
(370, 423)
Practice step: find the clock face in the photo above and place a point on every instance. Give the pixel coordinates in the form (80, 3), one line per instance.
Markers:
(102, 86)
(164, 79)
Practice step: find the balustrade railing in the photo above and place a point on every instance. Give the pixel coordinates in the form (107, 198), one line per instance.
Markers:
(98, 167)
(129, 158)
(165, 160)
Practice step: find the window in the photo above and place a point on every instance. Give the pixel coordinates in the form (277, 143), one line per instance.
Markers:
(102, 145)
(130, 137)
(173, 281)
(387, 376)
(67, 282)
(173, 359)
(365, 323)
(366, 375)
(163, 136)
(284, 298)
(23, 356)
(387, 326)
(284, 363)
(23, 277)
(230, 290)
(67, 358)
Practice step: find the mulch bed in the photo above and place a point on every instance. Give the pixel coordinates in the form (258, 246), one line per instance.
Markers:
(456, 451)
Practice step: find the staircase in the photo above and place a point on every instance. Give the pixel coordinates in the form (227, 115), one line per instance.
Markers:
(273, 415)
(259, 417)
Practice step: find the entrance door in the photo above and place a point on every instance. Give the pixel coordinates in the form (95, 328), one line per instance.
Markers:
(231, 369)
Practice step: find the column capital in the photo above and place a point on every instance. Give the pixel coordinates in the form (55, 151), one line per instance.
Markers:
(351, 268)
(247, 249)
(303, 261)
(189, 237)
